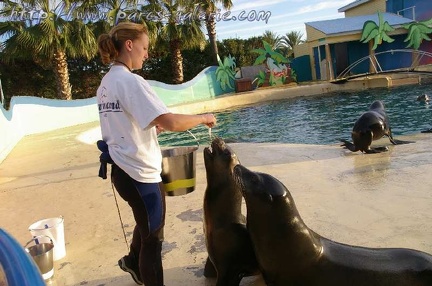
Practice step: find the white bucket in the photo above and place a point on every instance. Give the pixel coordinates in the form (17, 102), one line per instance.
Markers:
(54, 228)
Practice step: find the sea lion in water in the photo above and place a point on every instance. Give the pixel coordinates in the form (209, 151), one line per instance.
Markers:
(423, 97)
(228, 243)
(289, 253)
(372, 125)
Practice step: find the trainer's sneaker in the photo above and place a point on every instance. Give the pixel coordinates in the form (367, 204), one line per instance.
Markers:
(129, 265)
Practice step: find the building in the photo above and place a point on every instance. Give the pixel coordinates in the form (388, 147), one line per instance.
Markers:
(333, 45)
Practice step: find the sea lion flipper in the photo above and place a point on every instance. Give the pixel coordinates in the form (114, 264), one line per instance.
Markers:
(390, 136)
(209, 269)
(400, 142)
(350, 146)
(395, 141)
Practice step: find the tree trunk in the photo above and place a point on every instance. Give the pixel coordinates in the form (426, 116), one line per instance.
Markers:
(211, 30)
(373, 62)
(60, 68)
(176, 61)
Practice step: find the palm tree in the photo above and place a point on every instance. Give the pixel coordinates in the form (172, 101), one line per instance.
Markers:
(290, 40)
(377, 32)
(49, 41)
(209, 8)
(417, 32)
(273, 39)
(177, 33)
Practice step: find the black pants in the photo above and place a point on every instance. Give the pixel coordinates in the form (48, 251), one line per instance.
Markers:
(147, 239)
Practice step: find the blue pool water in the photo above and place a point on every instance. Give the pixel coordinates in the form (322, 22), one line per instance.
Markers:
(313, 119)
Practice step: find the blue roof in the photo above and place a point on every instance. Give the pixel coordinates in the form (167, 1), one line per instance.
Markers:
(355, 24)
(352, 5)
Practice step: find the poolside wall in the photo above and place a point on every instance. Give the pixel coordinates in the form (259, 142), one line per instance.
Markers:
(29, 115)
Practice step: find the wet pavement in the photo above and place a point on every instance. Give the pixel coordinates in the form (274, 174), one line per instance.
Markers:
(374, 200)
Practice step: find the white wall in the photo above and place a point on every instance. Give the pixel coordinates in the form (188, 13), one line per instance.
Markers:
(30, 115)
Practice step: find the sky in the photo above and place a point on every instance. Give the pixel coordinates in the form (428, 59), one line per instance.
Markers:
(278, 16)
(249, 18)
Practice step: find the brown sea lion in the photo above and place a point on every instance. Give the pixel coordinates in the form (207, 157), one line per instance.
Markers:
(228, 243)
(289, 253)
(371, 125)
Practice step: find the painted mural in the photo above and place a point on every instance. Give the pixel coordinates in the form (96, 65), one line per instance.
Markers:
(225, 72)
(376, 32)
(277, 69)
(276, 64)
(417, 32)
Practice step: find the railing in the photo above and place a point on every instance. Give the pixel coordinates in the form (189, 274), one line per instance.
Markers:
(417, 57)
(401, 12)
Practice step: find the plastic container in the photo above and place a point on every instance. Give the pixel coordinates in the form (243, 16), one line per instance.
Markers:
(54, 229)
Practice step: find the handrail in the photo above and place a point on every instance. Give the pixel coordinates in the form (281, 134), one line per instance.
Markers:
(343, 76)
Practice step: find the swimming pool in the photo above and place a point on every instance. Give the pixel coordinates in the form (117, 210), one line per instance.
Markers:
(320, 119)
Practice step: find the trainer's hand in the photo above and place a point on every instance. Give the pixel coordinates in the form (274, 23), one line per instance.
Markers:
(209, 120)
(159, 129)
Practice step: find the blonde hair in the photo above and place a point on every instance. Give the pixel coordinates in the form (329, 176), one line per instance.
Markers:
(110, 44)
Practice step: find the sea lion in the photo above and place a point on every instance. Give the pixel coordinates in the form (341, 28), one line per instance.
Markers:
(371, 125)
(423, 97)
(227, 240)
(289, 253)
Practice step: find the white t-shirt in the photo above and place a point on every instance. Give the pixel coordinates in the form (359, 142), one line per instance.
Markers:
(127, 106)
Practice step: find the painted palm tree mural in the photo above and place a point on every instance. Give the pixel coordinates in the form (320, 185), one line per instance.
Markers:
(225, 73)
(417, 32)
(277, 65)
(376, 32)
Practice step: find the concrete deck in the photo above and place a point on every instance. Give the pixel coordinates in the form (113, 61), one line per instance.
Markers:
(377, 200)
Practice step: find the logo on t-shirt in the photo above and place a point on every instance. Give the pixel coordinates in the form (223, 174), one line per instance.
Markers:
(107, 106)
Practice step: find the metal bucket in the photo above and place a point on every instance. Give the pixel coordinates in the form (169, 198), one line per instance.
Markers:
(42, 254)
(178, 170)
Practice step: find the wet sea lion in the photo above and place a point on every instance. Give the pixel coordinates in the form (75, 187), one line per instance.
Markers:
(371, 125)
(289, 253)
(228, 243)
(423, 97)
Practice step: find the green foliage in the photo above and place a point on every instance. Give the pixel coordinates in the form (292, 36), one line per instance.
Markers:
(290, 40)
(293, 75)
(25, 78)
(268, 52)
(240, 50)
(417, 32)
(225, 73)
(261, 78)
(376, 32)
